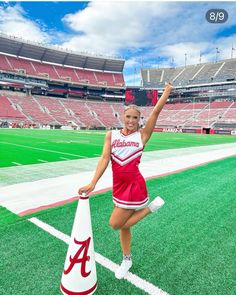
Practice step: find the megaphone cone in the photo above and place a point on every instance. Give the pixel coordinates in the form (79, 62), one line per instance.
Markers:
(79, 276)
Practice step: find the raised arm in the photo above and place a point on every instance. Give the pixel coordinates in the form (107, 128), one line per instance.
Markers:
(101, 166)
(151, 122)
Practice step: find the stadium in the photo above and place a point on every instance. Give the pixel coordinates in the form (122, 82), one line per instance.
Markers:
(55, 107)
(45, 87)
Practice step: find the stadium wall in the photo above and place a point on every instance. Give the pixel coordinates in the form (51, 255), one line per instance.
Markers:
(197, 130)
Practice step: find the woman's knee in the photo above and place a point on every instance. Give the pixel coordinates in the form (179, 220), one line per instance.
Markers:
(119, 217)
(125, 227)
(114, 224)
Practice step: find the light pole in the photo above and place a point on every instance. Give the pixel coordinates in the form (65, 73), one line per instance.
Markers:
(217, 51)
(142, 62)
(135, 71)
(185, 59)
(158, 61)
(200, 58)
(232, 51)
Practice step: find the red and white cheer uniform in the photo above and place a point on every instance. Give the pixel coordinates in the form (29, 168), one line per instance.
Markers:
(129, 187)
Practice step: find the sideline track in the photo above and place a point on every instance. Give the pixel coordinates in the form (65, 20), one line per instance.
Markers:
(41, 192)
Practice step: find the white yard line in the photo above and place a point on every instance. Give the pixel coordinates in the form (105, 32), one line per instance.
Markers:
(18, 164)
(105, 262)
(40, 149)
(43, 161)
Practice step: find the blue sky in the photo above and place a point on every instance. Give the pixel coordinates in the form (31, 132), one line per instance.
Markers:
(152, 34)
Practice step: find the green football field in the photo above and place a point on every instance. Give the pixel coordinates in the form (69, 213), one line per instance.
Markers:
(27, 146)
(187, 248)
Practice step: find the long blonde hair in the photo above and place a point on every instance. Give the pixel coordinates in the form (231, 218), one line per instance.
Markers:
(134, 107)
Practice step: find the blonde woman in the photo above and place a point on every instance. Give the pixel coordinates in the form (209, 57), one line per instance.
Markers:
(124, 147)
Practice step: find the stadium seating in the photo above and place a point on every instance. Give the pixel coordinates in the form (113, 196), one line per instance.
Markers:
(32, 110)
(207, 73)
(86, 113)
(21, 65)
(45, 70)
(105, 113)
(186, 74)
(65, 73)
(221, 104)
(82, 112)
(87, 77)
(5, 64)
(119, 80)
(8, 110)
(229, 116)
(104, 78)
(45, 110)
(228, 71)
(57, 72)
(203, 73)
(56, 109)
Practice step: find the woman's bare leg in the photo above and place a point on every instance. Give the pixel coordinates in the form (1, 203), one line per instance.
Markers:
(136, 217)
(156, 204)
(123, 219)
(125, 240)
(119, 217)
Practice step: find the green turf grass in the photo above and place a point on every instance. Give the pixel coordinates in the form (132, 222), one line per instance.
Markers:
(32, 262)
(6, 217)
(27, 146)
(186, 248)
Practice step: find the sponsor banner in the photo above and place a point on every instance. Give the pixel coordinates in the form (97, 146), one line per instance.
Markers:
(226, 132)
(233, 132)
(158, 130)
(189, 130)
(175, 130)
(178, 130)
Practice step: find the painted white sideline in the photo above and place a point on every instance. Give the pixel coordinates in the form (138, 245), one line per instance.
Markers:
(45, 192)
(132, 278)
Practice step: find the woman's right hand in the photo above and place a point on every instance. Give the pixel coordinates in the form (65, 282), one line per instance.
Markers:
(169, 86)
(86, 189)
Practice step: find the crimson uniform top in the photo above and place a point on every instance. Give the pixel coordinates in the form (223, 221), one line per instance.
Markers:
(129, 187)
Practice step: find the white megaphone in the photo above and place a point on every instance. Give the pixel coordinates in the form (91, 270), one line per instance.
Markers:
(79, 276)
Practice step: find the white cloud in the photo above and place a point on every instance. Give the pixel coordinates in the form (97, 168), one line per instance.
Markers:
(155, 32)
(152, 32)
(13, 21)
(133, 79)
(177, 52)
(111, 27)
